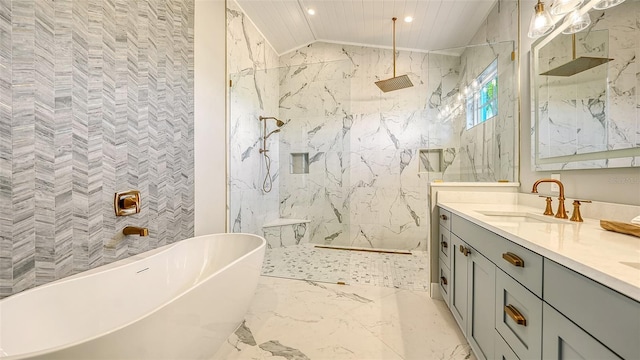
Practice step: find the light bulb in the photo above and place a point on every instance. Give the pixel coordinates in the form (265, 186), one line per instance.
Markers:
(561, 7)
(605, 4)
(576, 22)
(541, 22)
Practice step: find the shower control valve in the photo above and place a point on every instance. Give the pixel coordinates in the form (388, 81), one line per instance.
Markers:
(127, 203)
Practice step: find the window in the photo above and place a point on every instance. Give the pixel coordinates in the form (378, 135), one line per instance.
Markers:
(482, 96)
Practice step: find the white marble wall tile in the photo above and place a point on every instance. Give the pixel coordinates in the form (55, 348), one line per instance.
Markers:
(322, 232)
(286, 235)
(254, 74)
(362, 144)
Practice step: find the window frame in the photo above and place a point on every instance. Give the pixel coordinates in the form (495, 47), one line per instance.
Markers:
(474, 102)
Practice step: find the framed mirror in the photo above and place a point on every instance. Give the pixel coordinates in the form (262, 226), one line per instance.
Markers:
(585, 105)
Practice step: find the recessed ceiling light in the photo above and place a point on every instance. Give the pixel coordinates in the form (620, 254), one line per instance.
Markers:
(408, 19)
(311, 12)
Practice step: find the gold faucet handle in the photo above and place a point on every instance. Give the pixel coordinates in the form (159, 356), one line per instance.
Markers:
(576, 216)
(548, 210)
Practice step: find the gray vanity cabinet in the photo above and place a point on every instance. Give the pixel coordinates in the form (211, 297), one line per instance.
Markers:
(458, 288)
(472, 295)
(601, 313)
(564, 340)
(444, 262)
(512, 303)
(481, 278)
(502, 350)
(518, 316)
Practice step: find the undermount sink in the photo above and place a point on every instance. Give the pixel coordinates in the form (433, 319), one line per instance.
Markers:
(514, 216)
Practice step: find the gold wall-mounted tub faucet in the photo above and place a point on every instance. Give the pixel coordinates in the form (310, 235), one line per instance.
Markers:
(134, 230)
(561, 213)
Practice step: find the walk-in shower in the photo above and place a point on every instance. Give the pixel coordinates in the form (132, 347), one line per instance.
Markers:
(267, 184)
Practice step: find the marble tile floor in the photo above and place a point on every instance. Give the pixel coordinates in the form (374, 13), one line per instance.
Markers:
(306, 262)
(305, 320)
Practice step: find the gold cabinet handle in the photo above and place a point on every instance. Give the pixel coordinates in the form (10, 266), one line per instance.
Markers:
(444, 244)
(465, 250)
(513, 259)
(443, 280)
(444, 217)
(515, 315)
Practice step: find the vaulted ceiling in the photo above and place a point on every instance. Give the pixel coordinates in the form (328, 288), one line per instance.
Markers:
(436, 25)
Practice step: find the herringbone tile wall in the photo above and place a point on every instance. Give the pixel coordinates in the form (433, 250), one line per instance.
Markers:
(96, 96)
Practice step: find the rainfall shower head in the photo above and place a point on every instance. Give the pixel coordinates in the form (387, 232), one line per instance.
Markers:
(279, 122)
(576, 65)
(396, 82)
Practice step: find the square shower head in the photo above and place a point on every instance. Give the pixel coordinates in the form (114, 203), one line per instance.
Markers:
(394, 83)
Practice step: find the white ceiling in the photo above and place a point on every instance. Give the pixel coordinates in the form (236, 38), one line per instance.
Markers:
(437, 24)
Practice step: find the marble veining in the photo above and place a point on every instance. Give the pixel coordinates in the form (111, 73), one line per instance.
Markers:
(95, 97)
(295, 319)
(364, 187)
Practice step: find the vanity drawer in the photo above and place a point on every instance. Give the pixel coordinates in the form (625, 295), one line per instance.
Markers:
(503, 351)
(563, 340)
(607, 315)
(522, 264)
(445, 245)
(444, 280)
(518, 317)
(445, 218)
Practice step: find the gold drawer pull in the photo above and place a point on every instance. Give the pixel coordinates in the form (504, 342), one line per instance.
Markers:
(465, 250)
(444, 244)
(443, 280)
(513, 259)
(444, 217)
(515, 315)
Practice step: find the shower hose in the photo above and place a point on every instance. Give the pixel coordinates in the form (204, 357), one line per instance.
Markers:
(267, 185)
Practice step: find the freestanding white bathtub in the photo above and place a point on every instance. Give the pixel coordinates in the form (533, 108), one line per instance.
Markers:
(180, 301)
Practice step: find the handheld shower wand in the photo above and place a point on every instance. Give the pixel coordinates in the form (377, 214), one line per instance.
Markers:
(269, 134)
(268, 182)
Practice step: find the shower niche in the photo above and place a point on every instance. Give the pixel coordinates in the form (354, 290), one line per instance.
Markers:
(299, 163)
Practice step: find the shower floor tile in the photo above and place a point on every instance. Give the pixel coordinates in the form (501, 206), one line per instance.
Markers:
(306, 262)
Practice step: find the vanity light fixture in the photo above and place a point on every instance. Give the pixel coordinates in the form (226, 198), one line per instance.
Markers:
(605, 4)
(311, 11)
(561, 7)
(576, 22)
(541, 22)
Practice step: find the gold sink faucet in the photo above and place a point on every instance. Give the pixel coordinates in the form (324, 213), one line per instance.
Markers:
(134, 230)
(561, 213)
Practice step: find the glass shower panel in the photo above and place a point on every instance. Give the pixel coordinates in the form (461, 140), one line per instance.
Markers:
(315, 103)
(253, 94)
(483, 151)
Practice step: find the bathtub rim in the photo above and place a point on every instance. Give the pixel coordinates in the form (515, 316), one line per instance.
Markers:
(113, 267)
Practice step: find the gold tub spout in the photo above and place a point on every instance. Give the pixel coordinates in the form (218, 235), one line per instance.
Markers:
(134, 230)
(561, 213)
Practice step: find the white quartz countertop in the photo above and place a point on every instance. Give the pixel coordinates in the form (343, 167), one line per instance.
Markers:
(609, 258)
